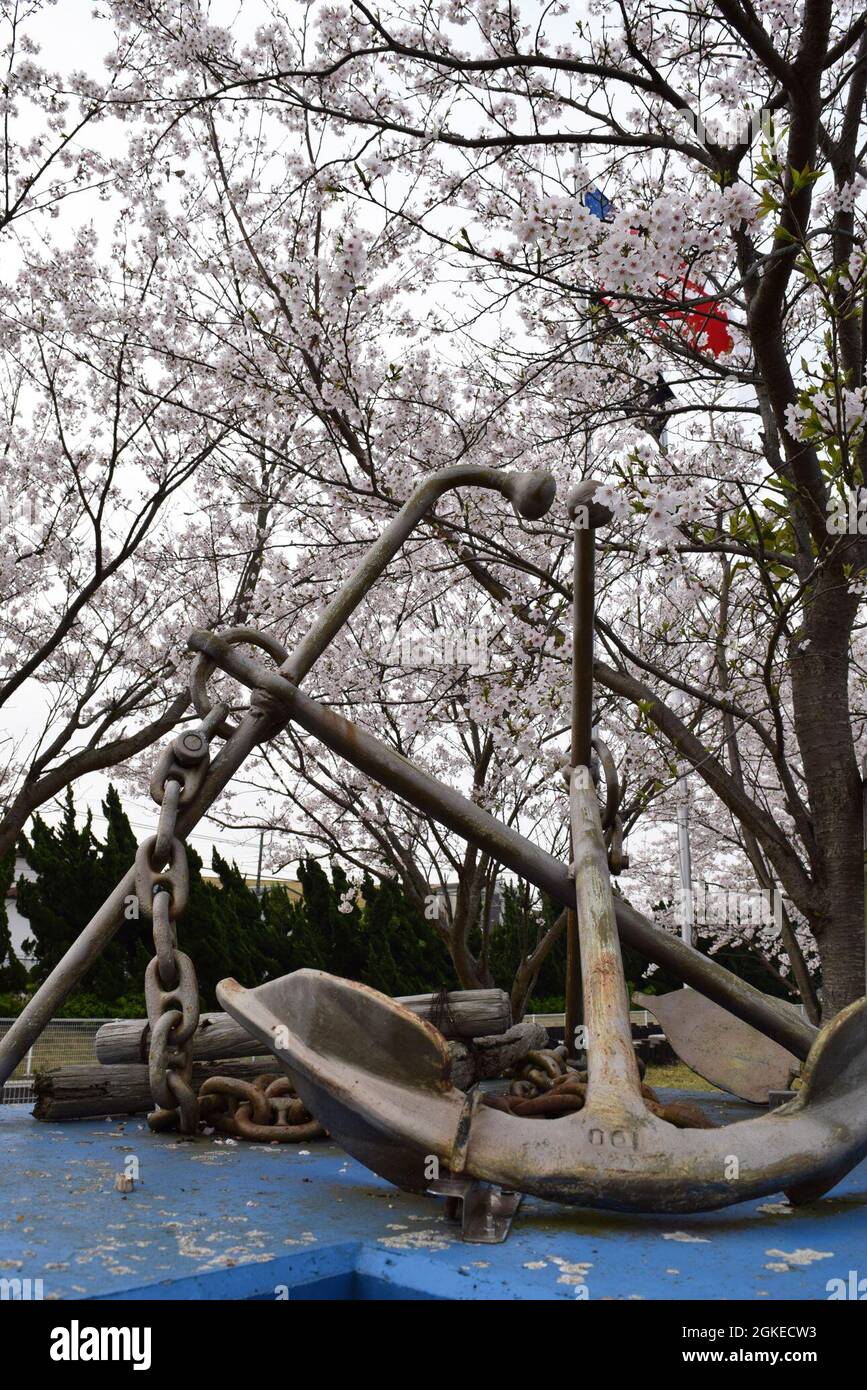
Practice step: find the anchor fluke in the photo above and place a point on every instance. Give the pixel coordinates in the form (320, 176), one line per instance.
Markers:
(723, 1049)
(371, 1071)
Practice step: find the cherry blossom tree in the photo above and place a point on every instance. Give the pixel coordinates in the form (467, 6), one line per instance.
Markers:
(727, 267)
(51, 149)
(105, 432)
(628, 247)
(305, 304)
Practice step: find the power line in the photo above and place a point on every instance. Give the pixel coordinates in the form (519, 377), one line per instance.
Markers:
(249, 871)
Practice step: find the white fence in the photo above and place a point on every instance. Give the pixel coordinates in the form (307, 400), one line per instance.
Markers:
(65, 1041)
(639, 1016)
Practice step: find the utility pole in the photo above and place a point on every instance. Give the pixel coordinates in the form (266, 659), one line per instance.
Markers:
(687, 914)
(258, 889)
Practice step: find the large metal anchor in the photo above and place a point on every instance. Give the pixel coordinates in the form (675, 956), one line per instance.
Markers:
(377, 1077)
(531, 495)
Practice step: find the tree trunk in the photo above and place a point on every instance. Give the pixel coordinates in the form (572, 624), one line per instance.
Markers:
(823, 726)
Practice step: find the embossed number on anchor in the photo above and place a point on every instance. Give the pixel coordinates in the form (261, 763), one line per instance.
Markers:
(617, 1138)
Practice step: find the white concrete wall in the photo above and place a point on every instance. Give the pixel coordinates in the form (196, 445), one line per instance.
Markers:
(19, 927)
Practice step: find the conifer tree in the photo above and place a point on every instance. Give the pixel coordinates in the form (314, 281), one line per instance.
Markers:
(403, 955)
(246, 937)
(340, 933)
(381, 940)
(220, 929)
(291, 936)
(66, 892)
(132, 947)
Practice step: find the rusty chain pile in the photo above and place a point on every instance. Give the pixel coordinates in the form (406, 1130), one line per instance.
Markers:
(266, 1110)
(547, 1085)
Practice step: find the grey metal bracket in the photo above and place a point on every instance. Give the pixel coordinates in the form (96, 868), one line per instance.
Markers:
(484, 1210)
(778, 1098)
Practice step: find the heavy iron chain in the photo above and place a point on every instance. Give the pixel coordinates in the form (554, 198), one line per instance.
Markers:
(266, 1111)
(547, 1085)
(162, 884)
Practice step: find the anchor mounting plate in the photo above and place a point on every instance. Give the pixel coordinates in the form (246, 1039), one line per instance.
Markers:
(485, 1210)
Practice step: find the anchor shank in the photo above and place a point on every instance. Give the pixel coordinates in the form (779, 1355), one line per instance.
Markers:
(612, 1070)
(583, 596)
(583, 602)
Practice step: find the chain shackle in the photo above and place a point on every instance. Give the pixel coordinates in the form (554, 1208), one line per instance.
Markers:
(612, 782)
(190, 748)
(190, 774)
(203, 668)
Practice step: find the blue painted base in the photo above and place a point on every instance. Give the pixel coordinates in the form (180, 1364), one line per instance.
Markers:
(234, 1220)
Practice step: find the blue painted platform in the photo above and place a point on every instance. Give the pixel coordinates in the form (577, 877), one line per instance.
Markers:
(235, 1220)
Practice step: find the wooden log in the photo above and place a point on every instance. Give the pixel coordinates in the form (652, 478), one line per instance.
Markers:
(217, 1035)
(463, 1013)
(484, 1058)
(467, 1013)
(74, 1092)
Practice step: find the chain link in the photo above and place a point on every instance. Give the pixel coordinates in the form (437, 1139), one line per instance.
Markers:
(165, 940)
(547, 1085)
(174, 880)
(162, 884)
(266, 1111)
